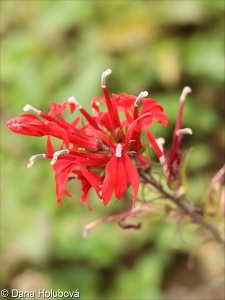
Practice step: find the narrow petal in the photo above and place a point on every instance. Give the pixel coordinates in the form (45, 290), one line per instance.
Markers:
(162, 118)
(121, 178)
(62, 169)
(99, 134)
(50, 146)
(85, 190)
(132, 175)
(92, 178)
(110, 180)
(153, 143)
(132, 126)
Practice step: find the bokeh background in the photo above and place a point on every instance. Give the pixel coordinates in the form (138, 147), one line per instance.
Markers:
(51, 50)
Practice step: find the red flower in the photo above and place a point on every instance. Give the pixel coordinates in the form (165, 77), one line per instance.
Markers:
(120, 172)
(105, 150)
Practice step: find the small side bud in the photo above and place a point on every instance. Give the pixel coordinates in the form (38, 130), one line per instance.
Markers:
(184, 131)
(57, 154)
(33, 158)
(186, 90)
(28, 107)
(103, 77)
(139, 97)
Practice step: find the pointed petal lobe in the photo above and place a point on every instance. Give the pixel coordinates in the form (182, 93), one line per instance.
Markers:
(121, 178)
(110, 180)
(133, 176)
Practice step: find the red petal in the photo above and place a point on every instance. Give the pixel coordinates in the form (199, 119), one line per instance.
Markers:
(92, 178)
(110, 180)
(99, 134)
(133, 176)
(121, 178)
(153, 143)
(49, 146)
(62, 169)
(132, 126)
(85, 190)
(75, 122)
(162, 118)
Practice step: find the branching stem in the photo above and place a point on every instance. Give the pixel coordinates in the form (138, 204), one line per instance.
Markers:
(182, 203)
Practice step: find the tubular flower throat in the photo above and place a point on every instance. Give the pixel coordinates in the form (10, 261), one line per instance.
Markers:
(102, 150)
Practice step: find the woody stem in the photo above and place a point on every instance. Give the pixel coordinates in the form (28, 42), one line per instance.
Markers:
(182, 203)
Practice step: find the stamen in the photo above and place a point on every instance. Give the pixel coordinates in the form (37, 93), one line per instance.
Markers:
(161, 141)
(186, 90)
(83, 111)
(57, 154)
(74, 101)
(28, 107)
(119, 150)
(103, 77)
(139, 97)
(35, 157)
(184, 131)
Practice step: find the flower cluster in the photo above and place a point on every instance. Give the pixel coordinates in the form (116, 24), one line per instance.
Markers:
(103, 150)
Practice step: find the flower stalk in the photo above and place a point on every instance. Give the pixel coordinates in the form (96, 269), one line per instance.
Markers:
(188, 210)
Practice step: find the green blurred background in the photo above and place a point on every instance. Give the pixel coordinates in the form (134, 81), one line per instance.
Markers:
(51, 50)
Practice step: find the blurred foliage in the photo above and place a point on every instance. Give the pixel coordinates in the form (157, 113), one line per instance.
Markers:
(51, 50)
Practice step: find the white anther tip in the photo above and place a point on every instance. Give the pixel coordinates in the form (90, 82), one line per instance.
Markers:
(27, 107)
(107, 72)
(140, 96)
(35, 157)
(30, 164)
(160, 141)
(144, 94)
(71, 99)
(186, 90)
(184, 131)
(57, 154)
(104, 75)
(119, 150)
